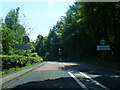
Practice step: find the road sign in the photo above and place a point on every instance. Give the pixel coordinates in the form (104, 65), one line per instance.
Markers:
(102, 42)
(22, 46)
(26, 39)
(59, 51)
(103, 47)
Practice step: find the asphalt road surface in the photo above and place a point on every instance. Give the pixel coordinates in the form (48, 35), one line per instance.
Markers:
(68, 75)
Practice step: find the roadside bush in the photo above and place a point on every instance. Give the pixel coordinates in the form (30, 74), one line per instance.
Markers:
(33, 55)
(13, 61)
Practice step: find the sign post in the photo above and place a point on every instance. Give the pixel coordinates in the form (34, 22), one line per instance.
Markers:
(59, 52)
(24, 46)
(103, 47)
(26, 39)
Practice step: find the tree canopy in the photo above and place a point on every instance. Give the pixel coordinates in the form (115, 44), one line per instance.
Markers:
(79, 32)
(12, 31)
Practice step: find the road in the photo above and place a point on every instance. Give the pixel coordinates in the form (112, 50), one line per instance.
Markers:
(55, 74)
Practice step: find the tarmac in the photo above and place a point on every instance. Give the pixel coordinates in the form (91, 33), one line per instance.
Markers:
(6, 78)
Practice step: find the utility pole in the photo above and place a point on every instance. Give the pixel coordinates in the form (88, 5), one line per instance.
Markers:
(59, 53)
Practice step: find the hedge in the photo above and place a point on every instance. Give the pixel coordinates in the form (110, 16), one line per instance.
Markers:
(13, 61)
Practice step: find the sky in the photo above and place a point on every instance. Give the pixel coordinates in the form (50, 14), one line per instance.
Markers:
(37, 17)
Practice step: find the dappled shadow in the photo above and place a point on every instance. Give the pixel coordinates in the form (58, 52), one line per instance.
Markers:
(110, 81)
(105, 77)
(67, 82)
(90, 69)
(81, 68)
(108, 77)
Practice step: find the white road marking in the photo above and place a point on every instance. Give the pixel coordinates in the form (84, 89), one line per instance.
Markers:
(96, 82)
(62, 65)
(80, 83)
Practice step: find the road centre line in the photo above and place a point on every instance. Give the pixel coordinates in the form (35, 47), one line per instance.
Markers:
(96, 82)
(80, 83)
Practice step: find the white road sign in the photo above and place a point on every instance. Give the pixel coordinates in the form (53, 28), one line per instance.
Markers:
(103, 47)
(102, 42)
(22, 46)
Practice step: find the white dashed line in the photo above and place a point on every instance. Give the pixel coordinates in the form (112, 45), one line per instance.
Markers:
(96, 82)
(80, 83)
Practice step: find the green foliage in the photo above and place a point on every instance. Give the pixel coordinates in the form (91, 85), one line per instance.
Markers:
(13, 61)
(79, 32)
(7, 40)
(33, 55)
(6, 71)
(48, 47)
(12, 18)
(12, 31)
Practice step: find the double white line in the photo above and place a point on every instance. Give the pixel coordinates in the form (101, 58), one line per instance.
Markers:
(82, 85)
(94, 81)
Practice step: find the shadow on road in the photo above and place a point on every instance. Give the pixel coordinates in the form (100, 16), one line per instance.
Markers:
(90, 69)
(107, 77)
(67, 82)
(81, 68)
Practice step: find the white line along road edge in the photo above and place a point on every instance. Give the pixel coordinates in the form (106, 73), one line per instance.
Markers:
(80, 83)
(96, 82)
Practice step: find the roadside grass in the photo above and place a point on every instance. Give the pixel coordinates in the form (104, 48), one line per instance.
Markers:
(12, 70)
(105, 63)
(12, 63)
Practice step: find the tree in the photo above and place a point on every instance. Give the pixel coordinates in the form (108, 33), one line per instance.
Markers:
(12, 18)
(7, 40)
(12, 31)
(80, 31)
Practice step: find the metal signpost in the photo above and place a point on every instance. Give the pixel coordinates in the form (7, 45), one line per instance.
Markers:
(103, 47)
(59, 54)
(24, 46)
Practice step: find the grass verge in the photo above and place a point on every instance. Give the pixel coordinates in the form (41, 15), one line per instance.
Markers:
(12, 70)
